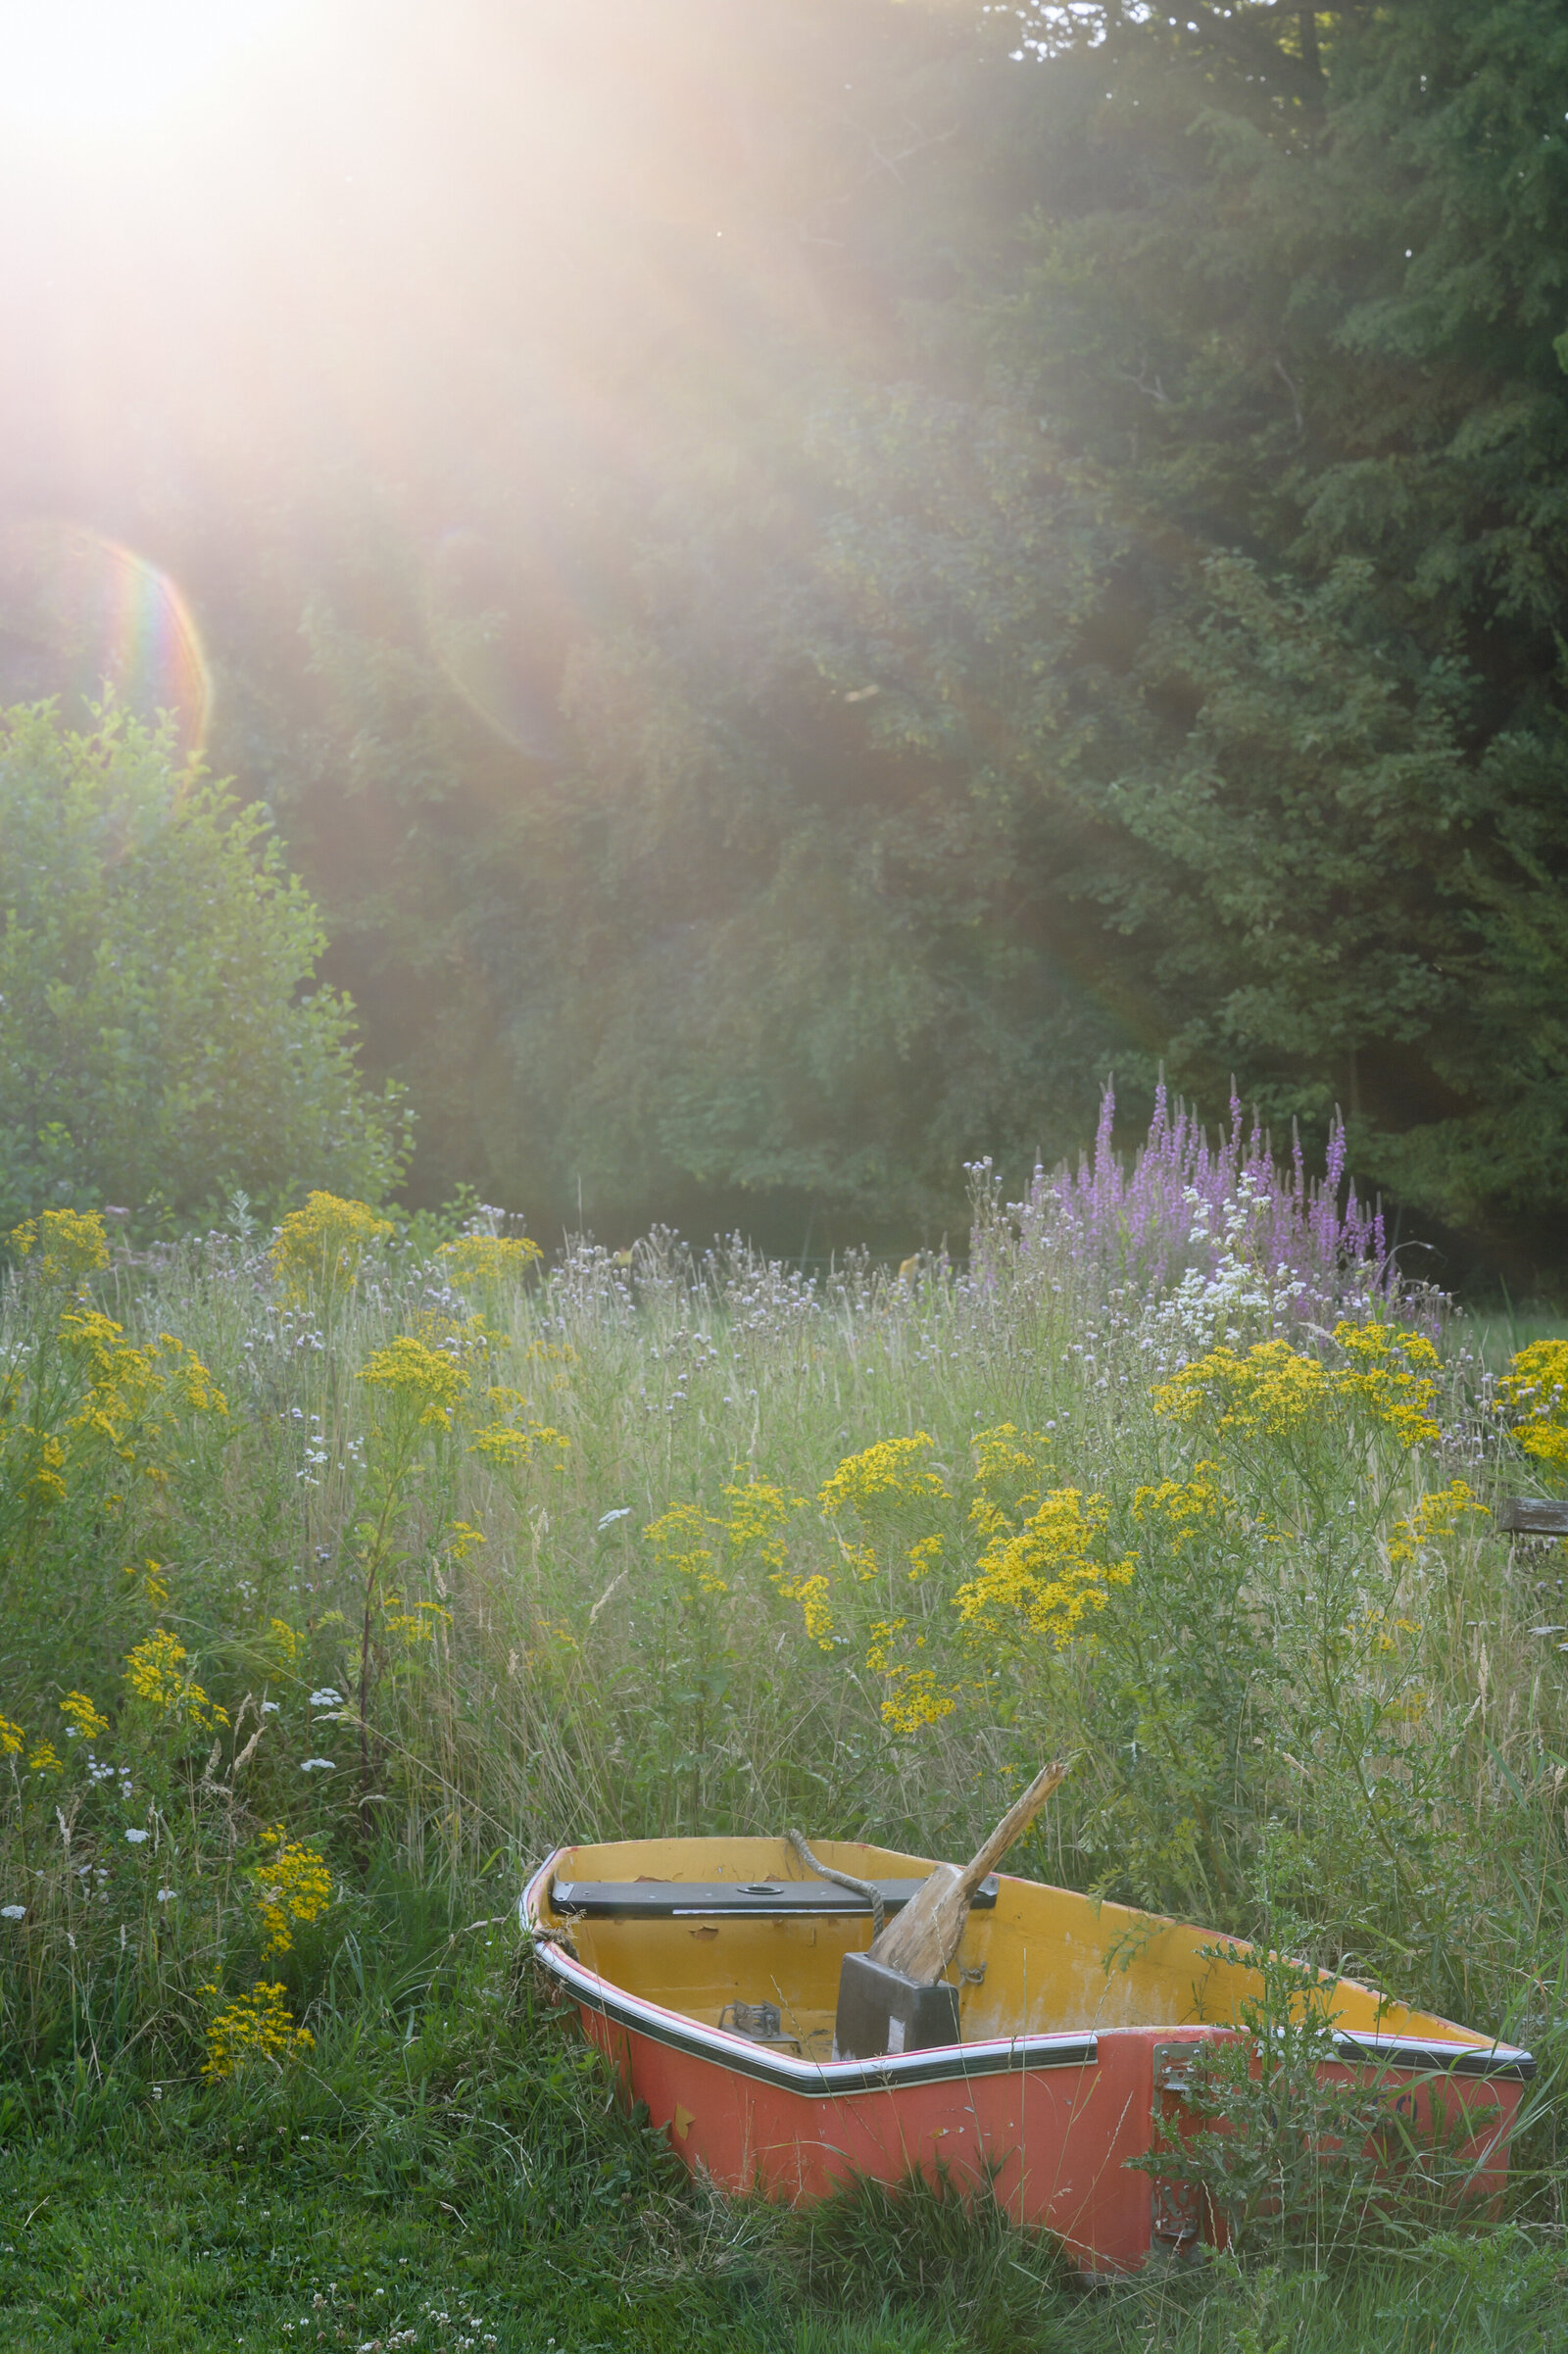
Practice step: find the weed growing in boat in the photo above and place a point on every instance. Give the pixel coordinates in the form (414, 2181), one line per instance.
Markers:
(1268, 2142)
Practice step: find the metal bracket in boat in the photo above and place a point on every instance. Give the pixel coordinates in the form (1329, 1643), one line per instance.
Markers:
(732, 1899)
(1175, 2218)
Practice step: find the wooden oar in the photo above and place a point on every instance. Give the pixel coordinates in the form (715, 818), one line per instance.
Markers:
(923, 1937)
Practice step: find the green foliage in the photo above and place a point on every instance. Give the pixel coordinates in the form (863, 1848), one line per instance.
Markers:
(1273, 2141)
(1060, 565)
(159, 1040)
(1108, 605)
(413, 1597)
(1298, 308)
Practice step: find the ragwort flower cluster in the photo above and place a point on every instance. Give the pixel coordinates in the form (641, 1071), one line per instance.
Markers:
(1534, 1394)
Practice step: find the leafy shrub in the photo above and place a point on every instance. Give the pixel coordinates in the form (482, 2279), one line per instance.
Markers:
(162, 1042)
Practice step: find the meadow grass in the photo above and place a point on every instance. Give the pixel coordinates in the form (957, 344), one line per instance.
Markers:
(348, 1575)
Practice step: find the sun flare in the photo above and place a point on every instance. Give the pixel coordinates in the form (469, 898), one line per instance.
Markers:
(85, 63)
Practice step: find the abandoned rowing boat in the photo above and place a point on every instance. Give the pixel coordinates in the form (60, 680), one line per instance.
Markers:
(708, 1972)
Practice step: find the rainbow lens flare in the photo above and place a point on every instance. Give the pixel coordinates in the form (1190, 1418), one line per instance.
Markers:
(82, 616)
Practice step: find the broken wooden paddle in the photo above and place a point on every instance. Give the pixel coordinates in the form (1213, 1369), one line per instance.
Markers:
(922, 1939)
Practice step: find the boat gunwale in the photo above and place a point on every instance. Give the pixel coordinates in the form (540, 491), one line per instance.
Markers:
(946, 2063)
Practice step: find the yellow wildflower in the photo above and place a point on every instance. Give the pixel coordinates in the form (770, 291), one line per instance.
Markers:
(48, 1477)
(1380, 1632)
(915, 1699)
(190, 1381)
(998, 1456)
(465, 1338)
(1434, 1517)
(44, 1758)
(462, 1538)
(70, 1244)
(259, 2025)
(286, 1640)
(130, 1389)
(812, 1596)
(759, 1513)
(883, 1635)
(155, 1672)
(1375, 1344)
(416, 1623)
(881, 1478)
(1534, 1391)
(1268, 1391)
(504, 1445)
(1181, 1509)
(682, 1538)
(1045, 1571)
(293, 1886)
(1274, 1389)
(320, 1248)
(12, 1737)
(1010, 1466)
(1391, 1373)
(154, 1584)
(488, 1259)
(85, 1721)
(922, 1558)
(417, 1378)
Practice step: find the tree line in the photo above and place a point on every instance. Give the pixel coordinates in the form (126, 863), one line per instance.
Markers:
(803, 583)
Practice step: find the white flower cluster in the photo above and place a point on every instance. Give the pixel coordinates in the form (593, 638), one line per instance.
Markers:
(1240, 1299)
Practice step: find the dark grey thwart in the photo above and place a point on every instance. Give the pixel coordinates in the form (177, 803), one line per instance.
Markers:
(719, 1899)
(1532, 1516)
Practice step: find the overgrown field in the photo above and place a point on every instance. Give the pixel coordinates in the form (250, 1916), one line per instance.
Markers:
(348, 1571)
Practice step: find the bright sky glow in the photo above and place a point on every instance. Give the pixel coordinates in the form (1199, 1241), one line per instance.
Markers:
(86, 64)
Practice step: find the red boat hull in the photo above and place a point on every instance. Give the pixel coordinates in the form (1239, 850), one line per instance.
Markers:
(1050, 2121)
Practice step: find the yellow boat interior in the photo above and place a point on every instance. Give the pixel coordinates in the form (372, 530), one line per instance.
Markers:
(1033, 1960)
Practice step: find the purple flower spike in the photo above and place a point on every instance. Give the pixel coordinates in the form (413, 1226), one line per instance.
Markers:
(1183, 1208)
